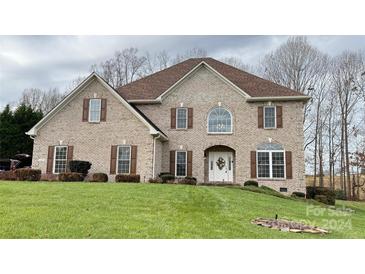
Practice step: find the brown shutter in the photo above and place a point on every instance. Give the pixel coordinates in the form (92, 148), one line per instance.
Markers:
(288, 165)
(85, 110)
(253, 164)
(190, 117)
(103, 110)
(279, 116)
(113, 159)
(50, 159)
(260, 117)
(190, 164)
(173, 118)
(133, 159)
(70, 154)
(172, 162)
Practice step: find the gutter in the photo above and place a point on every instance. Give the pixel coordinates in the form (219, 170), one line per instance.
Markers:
(279, 98)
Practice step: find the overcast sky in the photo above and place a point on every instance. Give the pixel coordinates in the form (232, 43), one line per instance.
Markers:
(54, 61)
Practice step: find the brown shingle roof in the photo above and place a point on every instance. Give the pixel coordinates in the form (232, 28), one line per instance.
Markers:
(154, 85)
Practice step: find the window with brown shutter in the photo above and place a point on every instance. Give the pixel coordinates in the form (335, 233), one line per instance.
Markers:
(173, 118)
(190, 164)
(190, 117)
(253, 164)
(85, 110)
(288, 165)
(260, 117)
(172, 162)
(70, 153)
(133, 159)
(279, 116)
(103, 110)
(113, 159)
(50, 159)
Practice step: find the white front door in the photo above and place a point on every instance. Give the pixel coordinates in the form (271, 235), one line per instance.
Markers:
(220, 166)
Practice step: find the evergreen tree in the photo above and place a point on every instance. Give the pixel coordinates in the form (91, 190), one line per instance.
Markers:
(13, 126)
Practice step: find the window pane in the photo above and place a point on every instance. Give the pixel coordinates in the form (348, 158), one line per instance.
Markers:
(181, 118)
(219, 120)
(180, 163)
(269, 117)
(60, 159)
(263, 164)
(277, 164)
(94, 110)
(124, 159)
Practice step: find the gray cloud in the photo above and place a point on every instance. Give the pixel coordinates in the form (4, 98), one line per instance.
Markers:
(54, 61)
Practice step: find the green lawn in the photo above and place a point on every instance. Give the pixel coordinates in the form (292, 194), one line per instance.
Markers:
(86, 210)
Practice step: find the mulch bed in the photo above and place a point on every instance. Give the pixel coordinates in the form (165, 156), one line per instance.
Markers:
(288, 226)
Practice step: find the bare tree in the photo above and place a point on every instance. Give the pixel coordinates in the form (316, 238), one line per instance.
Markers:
(190, 53)
(43, 100)
(124, 67)
(346, 70)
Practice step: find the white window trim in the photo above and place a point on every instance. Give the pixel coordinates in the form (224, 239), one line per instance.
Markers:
(219, 133)
(270, 165)
(187, 114)
(96, 121)
(265, 127)
(186, 163)
(54, 159)
(130, 159)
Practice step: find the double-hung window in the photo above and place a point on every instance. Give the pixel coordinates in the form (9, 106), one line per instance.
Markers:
(94, 110)
(269, 117)
(60, 159)
(181, 118)
(181, 163)
(124, 159)
(270, 164)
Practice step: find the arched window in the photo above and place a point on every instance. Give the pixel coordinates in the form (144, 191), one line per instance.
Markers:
(219, 121)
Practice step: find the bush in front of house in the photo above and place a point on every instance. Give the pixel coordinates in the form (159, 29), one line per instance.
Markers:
(79, 166)
(28, 174)
(298, 194)
(97, 178)
(8, 175)
(188, 181)
(124, 178)
(251, 183)
(154, 180)
(340, 194)
(71, 177)
(330, 194)
(167, 178)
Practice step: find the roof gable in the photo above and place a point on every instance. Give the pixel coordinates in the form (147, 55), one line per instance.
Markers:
(152, 127)
(155, 85)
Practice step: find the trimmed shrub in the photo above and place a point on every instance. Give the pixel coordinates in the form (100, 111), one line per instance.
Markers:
(123, 178)
(49, 177)
(79, 166)
(97, 178)
(8, 175)
(312, 192)
(251, 183)
(298, 194)
(340, 194)
(28, 174)
(167, 178)
(71, 177)
(188, 181)
(155, 180)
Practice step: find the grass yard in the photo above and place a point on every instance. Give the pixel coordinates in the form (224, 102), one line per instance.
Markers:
(86, 210)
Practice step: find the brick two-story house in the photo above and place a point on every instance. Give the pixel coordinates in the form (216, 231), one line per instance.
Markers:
(199, 118)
